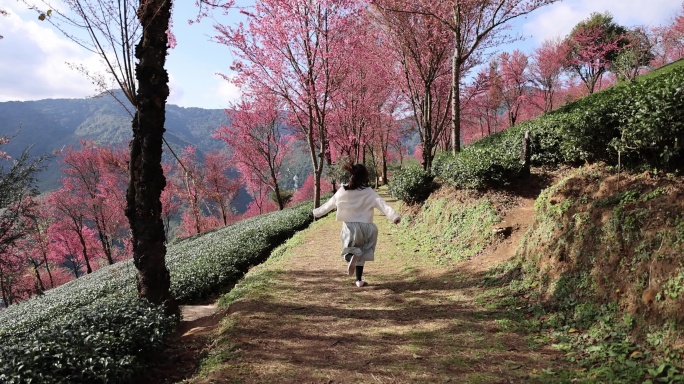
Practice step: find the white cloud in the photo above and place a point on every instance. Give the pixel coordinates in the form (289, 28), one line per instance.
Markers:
(558, 19)
(34, 59)
(642, 12)
(176, 92)
(551, 22)
(206, 91)
(226, 92)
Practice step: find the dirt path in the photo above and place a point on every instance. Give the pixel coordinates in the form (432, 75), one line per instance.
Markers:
(308, 323)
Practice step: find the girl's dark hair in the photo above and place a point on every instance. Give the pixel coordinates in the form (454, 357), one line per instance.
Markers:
(358, 176)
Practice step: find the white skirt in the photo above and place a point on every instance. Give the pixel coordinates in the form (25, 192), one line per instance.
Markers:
(359, 239)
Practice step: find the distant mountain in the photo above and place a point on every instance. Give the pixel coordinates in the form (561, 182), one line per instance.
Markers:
(52, 124)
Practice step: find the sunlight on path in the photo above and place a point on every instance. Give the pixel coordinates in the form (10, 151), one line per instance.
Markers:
(413, 323)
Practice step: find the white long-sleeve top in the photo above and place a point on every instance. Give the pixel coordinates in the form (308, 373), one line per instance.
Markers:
(356, 205)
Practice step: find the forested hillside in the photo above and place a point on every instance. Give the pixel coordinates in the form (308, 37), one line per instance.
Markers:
(50, 125)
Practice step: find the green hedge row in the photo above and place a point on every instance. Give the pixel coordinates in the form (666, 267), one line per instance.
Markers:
(104, 342)
(412, 185)
(96, 329)
(200, 266)
(638, 124)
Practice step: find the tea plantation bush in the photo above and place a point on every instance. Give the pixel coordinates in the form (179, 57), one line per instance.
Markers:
(105, 342)
(96, 329)
(200, 266)
(652, 122)
(480, 167)
(411, 185)
(640, 124)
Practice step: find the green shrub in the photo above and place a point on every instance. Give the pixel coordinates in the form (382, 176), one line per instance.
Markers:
(104, 342)
(201, 266)
(480, 166)
(641, 121)
(412, 185)
(652, 123)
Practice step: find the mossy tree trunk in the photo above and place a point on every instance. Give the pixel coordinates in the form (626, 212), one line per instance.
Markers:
(146, 175)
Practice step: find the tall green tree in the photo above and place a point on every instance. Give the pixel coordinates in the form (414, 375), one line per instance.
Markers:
(593, 45)
(636, 55)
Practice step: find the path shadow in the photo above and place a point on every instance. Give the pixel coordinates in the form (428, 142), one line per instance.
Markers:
(414, 324)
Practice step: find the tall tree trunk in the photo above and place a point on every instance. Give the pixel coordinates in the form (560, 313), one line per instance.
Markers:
(47, 267)
(316, 159)
(279, 198)
(5, 296)
(84, 249)
(39, 283)
(74, 266)
(456, 103)
(384, 168)
(143, 206)
(456, 82)
(276, 190)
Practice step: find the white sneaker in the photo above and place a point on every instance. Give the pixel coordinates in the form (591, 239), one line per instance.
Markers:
(351, 267)
(361, 283)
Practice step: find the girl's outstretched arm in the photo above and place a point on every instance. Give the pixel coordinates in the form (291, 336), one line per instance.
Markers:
(325, 208)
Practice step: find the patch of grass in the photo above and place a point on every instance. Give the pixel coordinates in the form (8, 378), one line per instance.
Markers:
(224, 355)
(674, 286)
(480, 378)
(257, 283)
(448, 232)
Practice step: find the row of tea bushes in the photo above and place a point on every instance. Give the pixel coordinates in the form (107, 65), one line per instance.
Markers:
(202, 265)
(636, 125)
(96, 329)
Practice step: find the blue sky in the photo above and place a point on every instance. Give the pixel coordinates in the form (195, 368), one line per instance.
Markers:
(33, 56)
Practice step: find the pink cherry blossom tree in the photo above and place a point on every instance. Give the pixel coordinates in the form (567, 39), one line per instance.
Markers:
(399, 149)
(592, 46)
(70, 210)
(36, 246)
(476, 27)
(255, 134)
(13, 284)
(261, 202)
(549, 61)
(17, 208)
(220, 189)
(189, 177)
(78, 250)
(511, 70)
(388, 136)
(100, 174)
(293, 49)
(17, 189)
(481, 104)
(365, 89)
(421, 46)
